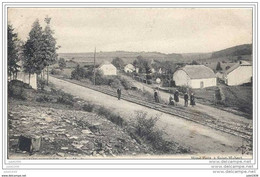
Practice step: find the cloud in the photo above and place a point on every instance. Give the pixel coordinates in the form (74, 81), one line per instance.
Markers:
(165, 30)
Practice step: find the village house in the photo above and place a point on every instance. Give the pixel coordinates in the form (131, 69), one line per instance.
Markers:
(238, 74)
(107, 69)
(195, 76)
(129, 68)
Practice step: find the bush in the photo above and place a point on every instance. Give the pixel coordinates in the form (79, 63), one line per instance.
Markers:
(184, 89)
(65, 98)
(44, 98)
(17, 92)
(115, 83)
(100, 79)
(88, 107)
(78, 73)
(118, 120)
(41, 83)
(126, 84)
(145, 129)
(16, 89)
(55, 71)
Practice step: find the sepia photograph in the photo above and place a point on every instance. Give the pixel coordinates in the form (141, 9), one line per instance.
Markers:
(129, 83)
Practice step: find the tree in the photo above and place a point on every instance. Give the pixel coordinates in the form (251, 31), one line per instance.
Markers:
(62, 63)
(12, 52)
(118, 63)
(142, 64)
(50, 55)
(78, 73)
(194, 62)
(227, 67)
(219, 68)
(34, 60)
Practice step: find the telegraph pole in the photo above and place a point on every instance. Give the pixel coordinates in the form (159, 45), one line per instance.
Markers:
(94, 80)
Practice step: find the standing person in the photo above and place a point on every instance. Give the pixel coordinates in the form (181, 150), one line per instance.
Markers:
(176, 97)
(156, 96)
(118, 93)
(186, 98)
(171, 102)
(192, 100)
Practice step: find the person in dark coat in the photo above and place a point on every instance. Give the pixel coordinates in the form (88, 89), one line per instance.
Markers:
(186, 98)
(176, 96)
(118, 93)
(192, 100)
(171, 102)
(156, 96)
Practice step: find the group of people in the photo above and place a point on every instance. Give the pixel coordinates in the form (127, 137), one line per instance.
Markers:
(174, 99)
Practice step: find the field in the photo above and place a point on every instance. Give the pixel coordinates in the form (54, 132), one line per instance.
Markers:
(236, 98)
(239, 97)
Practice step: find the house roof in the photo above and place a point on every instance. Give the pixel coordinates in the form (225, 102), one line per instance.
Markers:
(198, 71)
(105, 63)
(130, 66)
(241, 63)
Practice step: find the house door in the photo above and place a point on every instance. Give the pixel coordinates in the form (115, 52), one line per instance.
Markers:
(201, 84)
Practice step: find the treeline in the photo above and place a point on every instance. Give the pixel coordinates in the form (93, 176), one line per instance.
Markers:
(36, 54)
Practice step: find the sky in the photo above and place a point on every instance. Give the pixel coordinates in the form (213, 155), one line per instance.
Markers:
(166, 30)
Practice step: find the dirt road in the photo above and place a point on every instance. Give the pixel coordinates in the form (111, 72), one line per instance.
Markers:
(200, 139)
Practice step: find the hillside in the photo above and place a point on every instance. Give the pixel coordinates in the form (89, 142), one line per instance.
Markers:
(245, 49)
(129, 57)
(196, 56)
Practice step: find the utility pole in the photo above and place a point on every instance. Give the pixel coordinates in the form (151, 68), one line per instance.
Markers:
(94, 80)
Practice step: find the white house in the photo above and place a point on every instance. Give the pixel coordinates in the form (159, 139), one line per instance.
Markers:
(107, 69)
(129, 68)
(195, 76)
(238, 74)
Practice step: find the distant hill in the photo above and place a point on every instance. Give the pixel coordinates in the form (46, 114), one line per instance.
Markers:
(245, 49)
(196, 56)
(128, 57)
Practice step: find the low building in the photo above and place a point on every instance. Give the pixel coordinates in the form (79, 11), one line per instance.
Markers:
(129, 68)
(238, 74)
(107, 69)
(195, 76)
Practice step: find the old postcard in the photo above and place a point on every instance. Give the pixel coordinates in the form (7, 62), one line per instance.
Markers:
(122, 82)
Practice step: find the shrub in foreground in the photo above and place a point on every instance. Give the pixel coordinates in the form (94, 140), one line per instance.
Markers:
(88, 107)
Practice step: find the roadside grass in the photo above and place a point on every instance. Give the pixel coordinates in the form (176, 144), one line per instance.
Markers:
(144, 130)
(239, 98)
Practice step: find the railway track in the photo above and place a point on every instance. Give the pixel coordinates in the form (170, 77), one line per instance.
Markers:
(242, 130)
